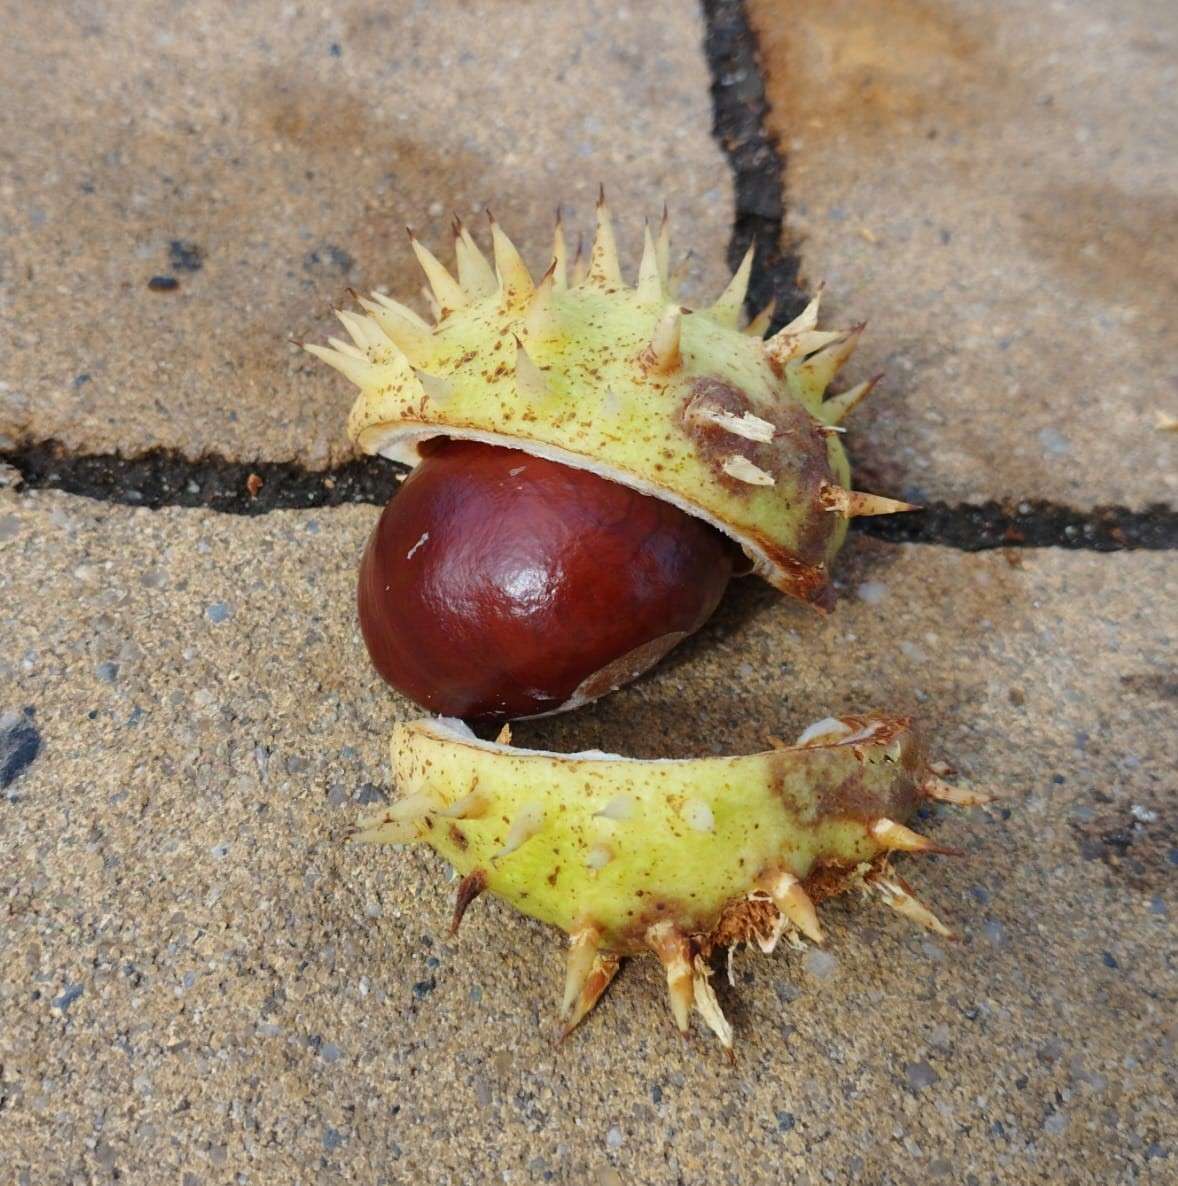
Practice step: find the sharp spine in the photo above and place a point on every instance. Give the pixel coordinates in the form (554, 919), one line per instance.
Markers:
(662, 250)
(795, 904)
(560, 255)
(409, 333)
(530, 380)
(807, 319)
(899, 896)
(435, 386)
(469, 888)
(897, 838)
(515, 281)
(664, 349)
(936, 788)
(727, 309)
(580, 266)
(822, 367)
(600, 974)
(526, 824)
(472, 806)
(603, 256)
(362, 330)
(475, 274)
(447, 291)
(348, 348)
(760, 323)
(358, 371)
(856, 503)
(541, 305)
(650, 284)
(704, 996)
(674, 952)
(584, 944)
(837, 408)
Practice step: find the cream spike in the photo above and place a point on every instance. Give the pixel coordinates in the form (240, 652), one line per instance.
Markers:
(650, 281)
(403, 312)
(515, 281)
(855, 503)
(837, 408)
(663, 352)
(431, 302)
(539, 313)
(437, 387)
(761, 322)
(897, 838)
(560, 255)
(409, 333)
(356, 370)
(362, 330)
(603, 255)
(709, 1008)
(526, 824)
(794, 903)
(807, 319)
(447, 291)
(475, 274)
(529, 378)
(674, 952)
(662, 248)
(726, 311)
(583, 946)
(601, 972)
(823, 366)
(936, 788)
(352, 351)
(580, 266)
(897, 895)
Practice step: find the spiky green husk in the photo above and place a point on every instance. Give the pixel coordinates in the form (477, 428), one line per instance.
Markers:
(627, 382)
(672, 856)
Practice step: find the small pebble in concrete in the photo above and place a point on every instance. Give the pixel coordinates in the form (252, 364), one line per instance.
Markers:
(108, 672)
(70, 994)
(1055, 1123)
(218, 612)
(872, 592)
(19, 745)
(920, 1075)
(820, 964)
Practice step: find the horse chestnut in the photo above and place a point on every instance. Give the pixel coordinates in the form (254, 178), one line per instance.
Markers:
(499, 585)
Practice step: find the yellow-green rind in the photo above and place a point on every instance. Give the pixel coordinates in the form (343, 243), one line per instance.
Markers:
(621, 844)
(624, 381)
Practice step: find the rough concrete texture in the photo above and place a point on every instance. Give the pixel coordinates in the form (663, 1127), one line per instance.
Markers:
(992, 186)
(203, 983)
(267, 156)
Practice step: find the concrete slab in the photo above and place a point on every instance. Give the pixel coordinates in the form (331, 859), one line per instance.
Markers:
(992, 187)
(202, 982)
(258, 159)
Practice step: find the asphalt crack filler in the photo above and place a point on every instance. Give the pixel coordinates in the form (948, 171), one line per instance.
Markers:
(740, 126)
(165, 478)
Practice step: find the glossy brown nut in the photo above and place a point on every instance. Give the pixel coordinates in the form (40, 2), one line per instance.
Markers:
(500, 585)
